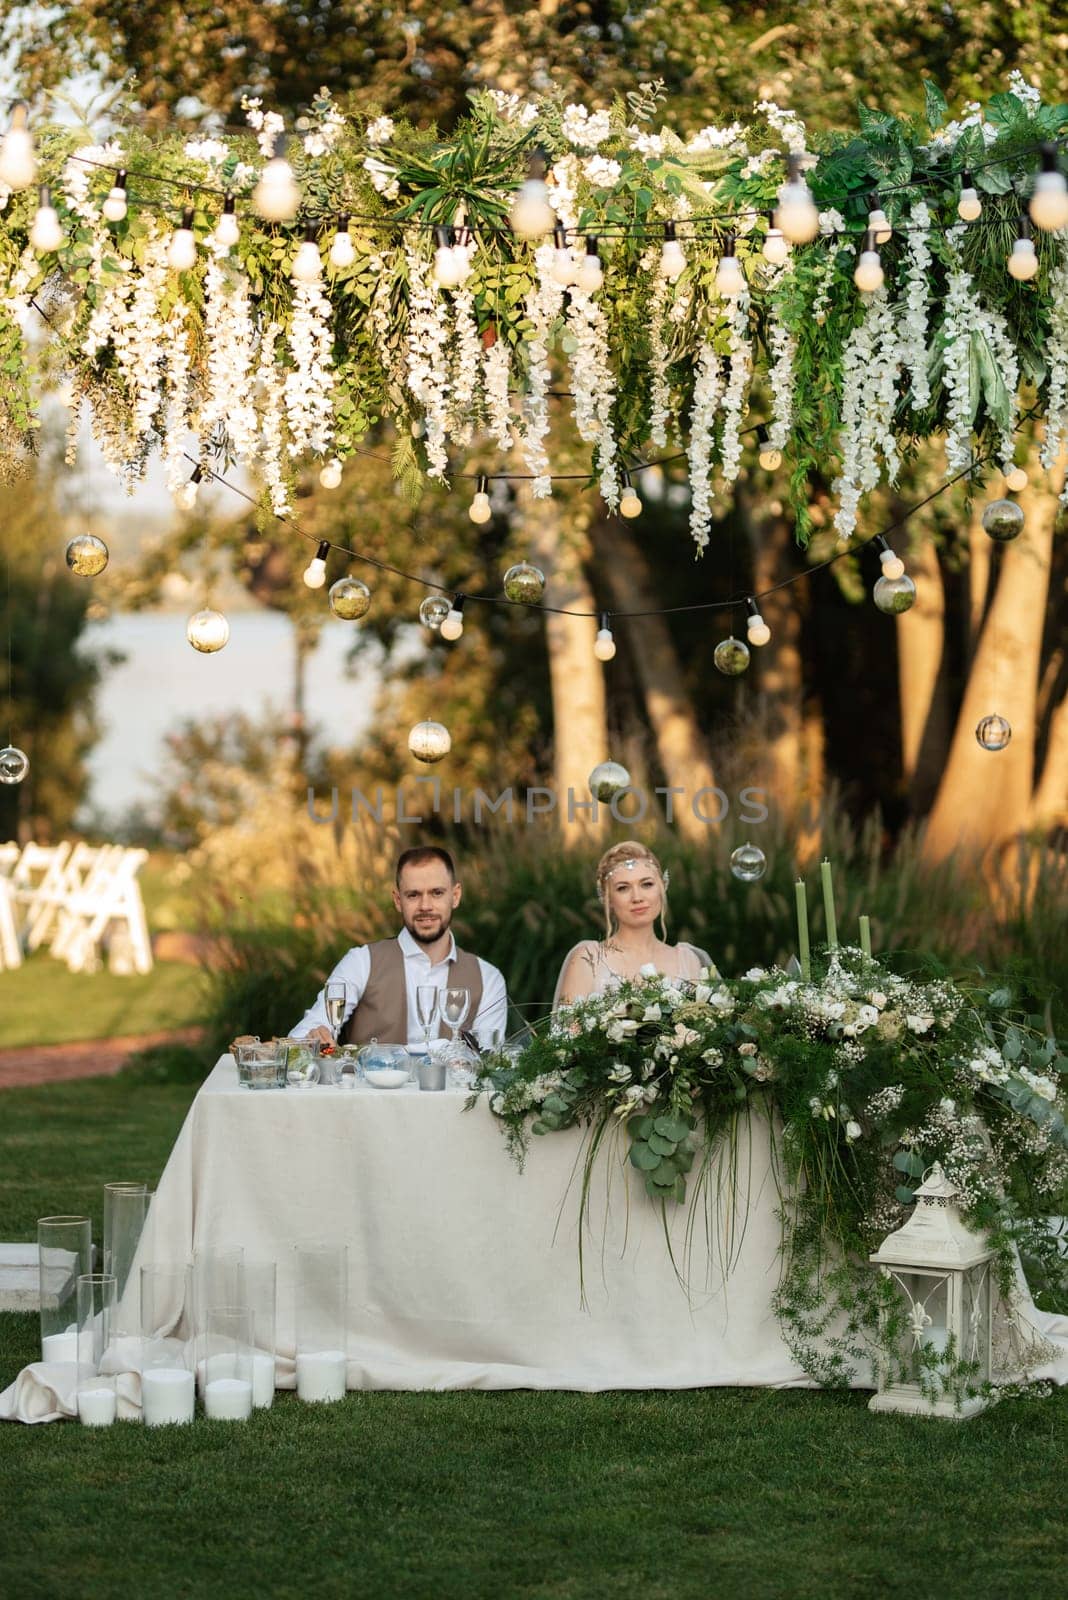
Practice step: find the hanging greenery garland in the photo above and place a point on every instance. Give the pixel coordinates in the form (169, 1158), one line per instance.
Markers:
(393, 282)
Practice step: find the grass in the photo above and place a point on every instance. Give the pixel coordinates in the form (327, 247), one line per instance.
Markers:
(657, 1496)
(42, 1003)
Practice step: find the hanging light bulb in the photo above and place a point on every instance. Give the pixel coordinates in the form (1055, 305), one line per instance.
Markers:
(14, 764)
(18, 165)
(330, 474)
(796, 212)
(182, 249)
(604, 646)
(1049, 202)
(429, 741)
(277, 194)
(757, 630)
(769, 455)
(307, 263)
(629, 501)
(227, 229)
(892, 565)
(448, 265)
(1023, 262)
(589, 276)
(969, 206)
(730, 279)
(562, 270)
(433, 611)
(114, 206)
(315, 571)
(480, 509)
(776, 247)
(207, 631)
(672, 259)
(453, 625)
(342, 249)
(46, 234)
(350, 599)
(879, 223)
(868, 275)
(524, 584)
(532, 216)
(1015, 479)
(185, 497)
(894, 595)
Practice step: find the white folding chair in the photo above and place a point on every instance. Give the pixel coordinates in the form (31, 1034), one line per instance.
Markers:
(88, 869)
(111, 902)
(40, 903)
(9, 854)
(10, 948)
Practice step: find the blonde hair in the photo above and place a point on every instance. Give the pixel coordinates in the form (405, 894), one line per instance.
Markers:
(616, 856)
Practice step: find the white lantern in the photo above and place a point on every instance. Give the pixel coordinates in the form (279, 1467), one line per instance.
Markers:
(940, 1271)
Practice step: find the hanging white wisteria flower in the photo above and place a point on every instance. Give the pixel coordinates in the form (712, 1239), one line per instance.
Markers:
(176, 403)
(782, 347)
(871, 363)
(542, 307)
(914, 338)
(271, 380)
(593, 387)
(707, 389)
(465, 362)
(956, 341)
(1057, 360)
(231, 337)
(427, 373)
(496, 375)
(740, 365)
(659, 389)
(309, 383)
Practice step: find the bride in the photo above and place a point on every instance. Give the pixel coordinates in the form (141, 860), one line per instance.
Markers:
(632, 888)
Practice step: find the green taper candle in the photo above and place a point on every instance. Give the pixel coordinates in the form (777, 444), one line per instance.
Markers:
(828, 905)
(865, 936)
(802, 929)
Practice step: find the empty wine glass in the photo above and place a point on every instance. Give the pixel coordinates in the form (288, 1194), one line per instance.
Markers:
(454, 1008)
(335, 998)
(427, 996)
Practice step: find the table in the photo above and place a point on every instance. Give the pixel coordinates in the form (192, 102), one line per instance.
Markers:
(464, 1272)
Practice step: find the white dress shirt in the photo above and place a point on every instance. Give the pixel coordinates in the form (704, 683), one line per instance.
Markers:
(354, 970)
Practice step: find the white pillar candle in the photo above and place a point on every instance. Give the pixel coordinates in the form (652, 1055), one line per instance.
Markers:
(228, 1399)
(61, 1346)
(321, 1375)
(167, 1395)
(262, 1379)
(97, 1407)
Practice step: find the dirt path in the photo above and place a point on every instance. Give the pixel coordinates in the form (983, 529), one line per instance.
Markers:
(88, 1058)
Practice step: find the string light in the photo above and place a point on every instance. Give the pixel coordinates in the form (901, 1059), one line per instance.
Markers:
(330, 474)
(589, 276)
(562, 270)
(453, 625)
(182, 249)
(531, 215)
(114, 207)
(630, 504)
(796, 213)
(1049, 202)
(757, 630)
(672, 259)
(18, 164)
(207, 631)
(776, 247)
(307, 263)
(604, 646)
(1023, 262)
(315, 571)
(46, 234)
(879, 223)
(969, 206)
(450, 265)
(277, 194)
(227, 229)
(730, 279)
(892, 564)
(868, 274)
(185, 497)
(480, 509)
(769, 456)
(1016, 479)
(342, 249)
(433, 611)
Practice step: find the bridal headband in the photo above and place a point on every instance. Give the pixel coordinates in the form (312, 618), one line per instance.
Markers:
(638, 861)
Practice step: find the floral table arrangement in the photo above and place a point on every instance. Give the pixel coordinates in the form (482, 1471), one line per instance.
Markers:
(868, 1077)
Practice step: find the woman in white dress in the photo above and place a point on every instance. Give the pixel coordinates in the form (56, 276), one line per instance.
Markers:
(632, 887)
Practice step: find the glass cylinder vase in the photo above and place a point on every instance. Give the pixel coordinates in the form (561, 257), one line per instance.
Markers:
(321, 1286)
(97, 1293)
(227, 1347)
(168, 1384)
(125, 1210)
(64, 1254)
(261, 1290)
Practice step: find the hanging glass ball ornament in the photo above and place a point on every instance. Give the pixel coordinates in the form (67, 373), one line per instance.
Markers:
(894, 595)
(207, 630)
(608, 779)
(993, 733)
(350, 598)
(433, 611)
(731, 657)
(429, 742)
(14, 764)
(524, 583)
(748, 862)
(87, 555)
(1003, 520)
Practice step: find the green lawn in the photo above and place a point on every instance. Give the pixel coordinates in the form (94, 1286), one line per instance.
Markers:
(744, 1493)
(42, 1003)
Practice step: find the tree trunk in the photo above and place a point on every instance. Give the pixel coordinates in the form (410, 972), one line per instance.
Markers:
(580, 729)
(1049, 808)
(680, 744)
(984, 798)
(779, 664)
(925, 714)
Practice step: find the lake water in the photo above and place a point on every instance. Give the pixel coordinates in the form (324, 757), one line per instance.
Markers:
(163, 681)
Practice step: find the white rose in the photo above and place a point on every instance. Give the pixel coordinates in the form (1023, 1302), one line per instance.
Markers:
(920, 1023)
(702, 994)
(852, 1130)
(754, 975)
(652, 1013)
(878, 999)
(648, 971)
(747, 1049)
(949, 1107)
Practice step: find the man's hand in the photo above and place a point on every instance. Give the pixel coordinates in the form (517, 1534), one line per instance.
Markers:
(323, 1035)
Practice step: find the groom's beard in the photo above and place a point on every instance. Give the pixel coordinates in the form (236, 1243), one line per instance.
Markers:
(428, 932)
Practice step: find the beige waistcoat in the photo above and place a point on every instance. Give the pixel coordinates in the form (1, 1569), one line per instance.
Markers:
(382, 1012)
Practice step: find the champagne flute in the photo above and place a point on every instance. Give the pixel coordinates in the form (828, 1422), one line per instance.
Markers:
(454, 1007)
(427, 997)
(335, 998)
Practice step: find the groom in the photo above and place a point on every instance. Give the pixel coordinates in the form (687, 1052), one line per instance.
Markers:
(381, 979)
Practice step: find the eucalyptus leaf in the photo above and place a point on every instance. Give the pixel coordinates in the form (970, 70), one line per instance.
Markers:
(665, 1176)
(905, 1196)
(642, 1157)
(663, 1147)
(909, 1162)
(673, 1128)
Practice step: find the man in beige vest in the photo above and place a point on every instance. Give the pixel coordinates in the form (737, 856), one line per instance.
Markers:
(381, 979)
